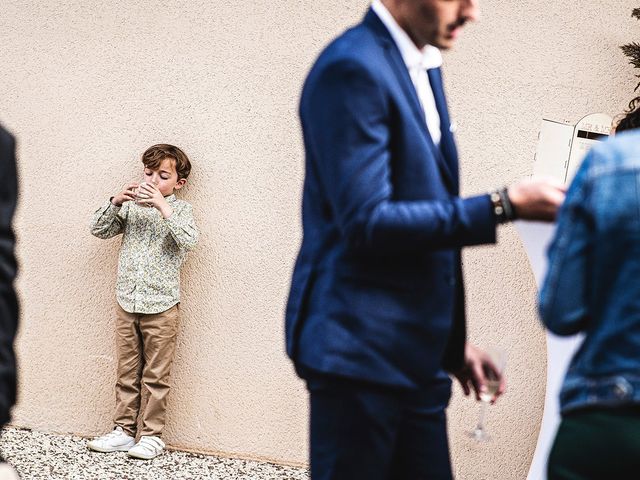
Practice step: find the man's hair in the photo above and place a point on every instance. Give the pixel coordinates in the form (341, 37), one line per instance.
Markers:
(154, 155)
(631, 118)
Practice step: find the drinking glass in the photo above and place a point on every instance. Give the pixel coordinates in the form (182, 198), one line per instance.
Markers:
(493, 373)
(141, 201)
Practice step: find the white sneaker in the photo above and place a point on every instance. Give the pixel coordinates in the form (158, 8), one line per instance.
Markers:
(7, 472)
(114, 441)
(147, 448)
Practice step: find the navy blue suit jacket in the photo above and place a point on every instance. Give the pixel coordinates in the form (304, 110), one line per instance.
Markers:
(377, 292)
(8, 270)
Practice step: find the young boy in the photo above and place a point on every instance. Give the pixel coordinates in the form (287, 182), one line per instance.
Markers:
(157, 230)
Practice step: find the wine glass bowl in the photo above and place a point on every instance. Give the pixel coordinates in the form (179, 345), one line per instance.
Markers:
(493, 369)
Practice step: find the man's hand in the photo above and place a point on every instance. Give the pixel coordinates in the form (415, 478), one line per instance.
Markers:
(149, 195)
(537, 199)
(477, 369)
(128, 194)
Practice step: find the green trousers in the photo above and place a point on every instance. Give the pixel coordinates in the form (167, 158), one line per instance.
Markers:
(597, 444)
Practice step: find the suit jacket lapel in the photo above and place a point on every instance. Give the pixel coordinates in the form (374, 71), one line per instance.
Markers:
(396, 61)
(401, 72)
(447, 143)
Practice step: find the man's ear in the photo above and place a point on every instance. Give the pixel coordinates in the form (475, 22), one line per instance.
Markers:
(180, 183)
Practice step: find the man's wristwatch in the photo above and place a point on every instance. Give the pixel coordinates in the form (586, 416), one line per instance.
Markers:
(502, 206)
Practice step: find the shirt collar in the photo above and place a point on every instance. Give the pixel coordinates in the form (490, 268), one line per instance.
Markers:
(427, 58)
(170, 198)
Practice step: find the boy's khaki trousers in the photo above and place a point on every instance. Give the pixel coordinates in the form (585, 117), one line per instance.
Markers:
(145, 342)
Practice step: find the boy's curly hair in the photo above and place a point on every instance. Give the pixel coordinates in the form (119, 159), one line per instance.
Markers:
(154, 155)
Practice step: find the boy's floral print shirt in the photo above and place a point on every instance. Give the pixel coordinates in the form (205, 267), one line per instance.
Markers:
(153, 249)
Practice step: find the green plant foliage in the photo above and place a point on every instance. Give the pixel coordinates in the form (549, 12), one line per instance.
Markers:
(632, 50)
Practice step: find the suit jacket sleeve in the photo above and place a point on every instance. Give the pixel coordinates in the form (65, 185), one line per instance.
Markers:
(8, 302)
(347, 125)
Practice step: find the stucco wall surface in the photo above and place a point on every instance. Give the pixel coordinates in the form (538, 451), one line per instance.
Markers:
(88, 86)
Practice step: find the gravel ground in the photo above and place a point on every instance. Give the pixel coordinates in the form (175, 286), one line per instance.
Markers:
(55, 457)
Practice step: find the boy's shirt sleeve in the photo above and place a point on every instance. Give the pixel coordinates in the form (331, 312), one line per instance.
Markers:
(182, 226)
(109, 220)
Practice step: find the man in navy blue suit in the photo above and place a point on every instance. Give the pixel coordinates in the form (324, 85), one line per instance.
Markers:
(8, 300)
(375, 318)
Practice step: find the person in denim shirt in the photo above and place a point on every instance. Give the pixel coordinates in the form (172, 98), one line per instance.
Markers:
(593, 286)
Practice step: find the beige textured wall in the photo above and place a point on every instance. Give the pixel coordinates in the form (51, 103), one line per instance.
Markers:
(86, 88)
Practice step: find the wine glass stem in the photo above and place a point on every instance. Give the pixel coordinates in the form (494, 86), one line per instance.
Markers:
(483, 414)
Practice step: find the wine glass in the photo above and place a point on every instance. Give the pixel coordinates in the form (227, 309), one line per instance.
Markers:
(493, 371)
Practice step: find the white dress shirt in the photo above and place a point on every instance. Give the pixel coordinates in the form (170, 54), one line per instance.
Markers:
(417, 62)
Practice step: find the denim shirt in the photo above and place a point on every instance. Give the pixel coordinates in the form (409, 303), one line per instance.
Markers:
(593, 282)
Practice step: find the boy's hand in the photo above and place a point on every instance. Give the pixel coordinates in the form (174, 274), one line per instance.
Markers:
(128, 194)
(148, 194)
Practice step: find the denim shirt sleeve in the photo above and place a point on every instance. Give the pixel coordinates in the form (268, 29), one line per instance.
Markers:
(563, 300)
